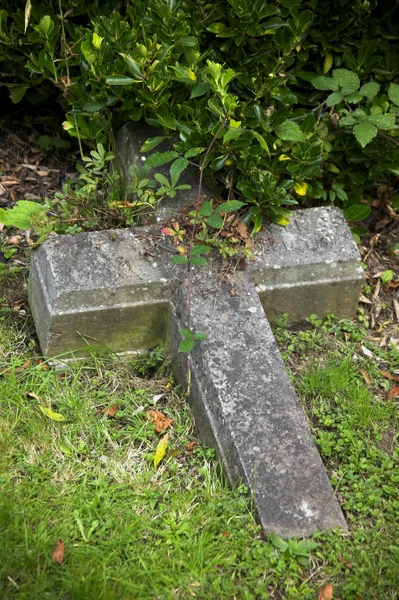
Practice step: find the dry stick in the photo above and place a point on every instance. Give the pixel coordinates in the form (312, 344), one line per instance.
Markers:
(190, 246)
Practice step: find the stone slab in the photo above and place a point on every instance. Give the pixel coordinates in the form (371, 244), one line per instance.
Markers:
(245, 406)
(119, 289)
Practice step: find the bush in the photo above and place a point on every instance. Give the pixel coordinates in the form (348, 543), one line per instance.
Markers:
(305, 90)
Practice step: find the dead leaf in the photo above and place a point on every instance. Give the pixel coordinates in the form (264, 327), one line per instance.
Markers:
(159, 421)
(396, 308)
(33, 395)
(393, 392)
(112, 411)
(157, 397)
(58, 552)
(347, 564)
(17, 305)
(367, 352)
(14, 239)
(366, 377)
(225, 533)
(364, 300)
(191, 445)
(389, 376)
(325, 592)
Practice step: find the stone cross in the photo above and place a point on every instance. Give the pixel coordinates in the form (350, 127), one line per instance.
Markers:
(119, 288)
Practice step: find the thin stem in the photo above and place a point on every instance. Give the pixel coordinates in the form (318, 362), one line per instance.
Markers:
(191, 243)
(389, 138)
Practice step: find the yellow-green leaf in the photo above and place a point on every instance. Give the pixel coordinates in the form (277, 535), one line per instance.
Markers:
(328, 62)
(28, 12)
(284, 221)
(300, 188)
(284, 157)
(51, 414)
(161, 450)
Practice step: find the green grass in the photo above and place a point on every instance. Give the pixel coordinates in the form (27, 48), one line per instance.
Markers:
(179, 531)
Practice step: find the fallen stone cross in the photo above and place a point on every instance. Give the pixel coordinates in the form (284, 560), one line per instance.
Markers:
(119, 288)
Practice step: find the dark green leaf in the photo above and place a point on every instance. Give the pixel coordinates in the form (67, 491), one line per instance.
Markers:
(176, 169)
(198, 260)
(179, 260)
(120, 80)
(229, 206)
(199, 89)
(201, 249)
(357, 212)
(152, 143)
(205, 209)
(215, 221)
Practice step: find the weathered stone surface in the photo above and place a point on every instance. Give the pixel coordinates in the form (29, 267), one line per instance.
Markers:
(310, 267)
(119, 289)
(245, 406)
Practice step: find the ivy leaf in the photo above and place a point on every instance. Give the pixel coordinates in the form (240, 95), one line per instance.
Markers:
(370, 89)
(51, 414)
(186, 346)
(393, 93)
(364, 132)
(289, 130)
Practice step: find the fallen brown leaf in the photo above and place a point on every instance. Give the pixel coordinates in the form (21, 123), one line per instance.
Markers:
(393, 392)
(225, 533)
(17, 305)
(366, 377)
(112, 411)
(58, 553)
(159, 421)
(389, 376)
(191, 445)
(325, 592)
(14, 239)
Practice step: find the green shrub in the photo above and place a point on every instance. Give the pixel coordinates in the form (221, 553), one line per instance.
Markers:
(305, 90)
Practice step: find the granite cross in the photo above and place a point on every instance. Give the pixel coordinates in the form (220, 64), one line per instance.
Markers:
(119, 287)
